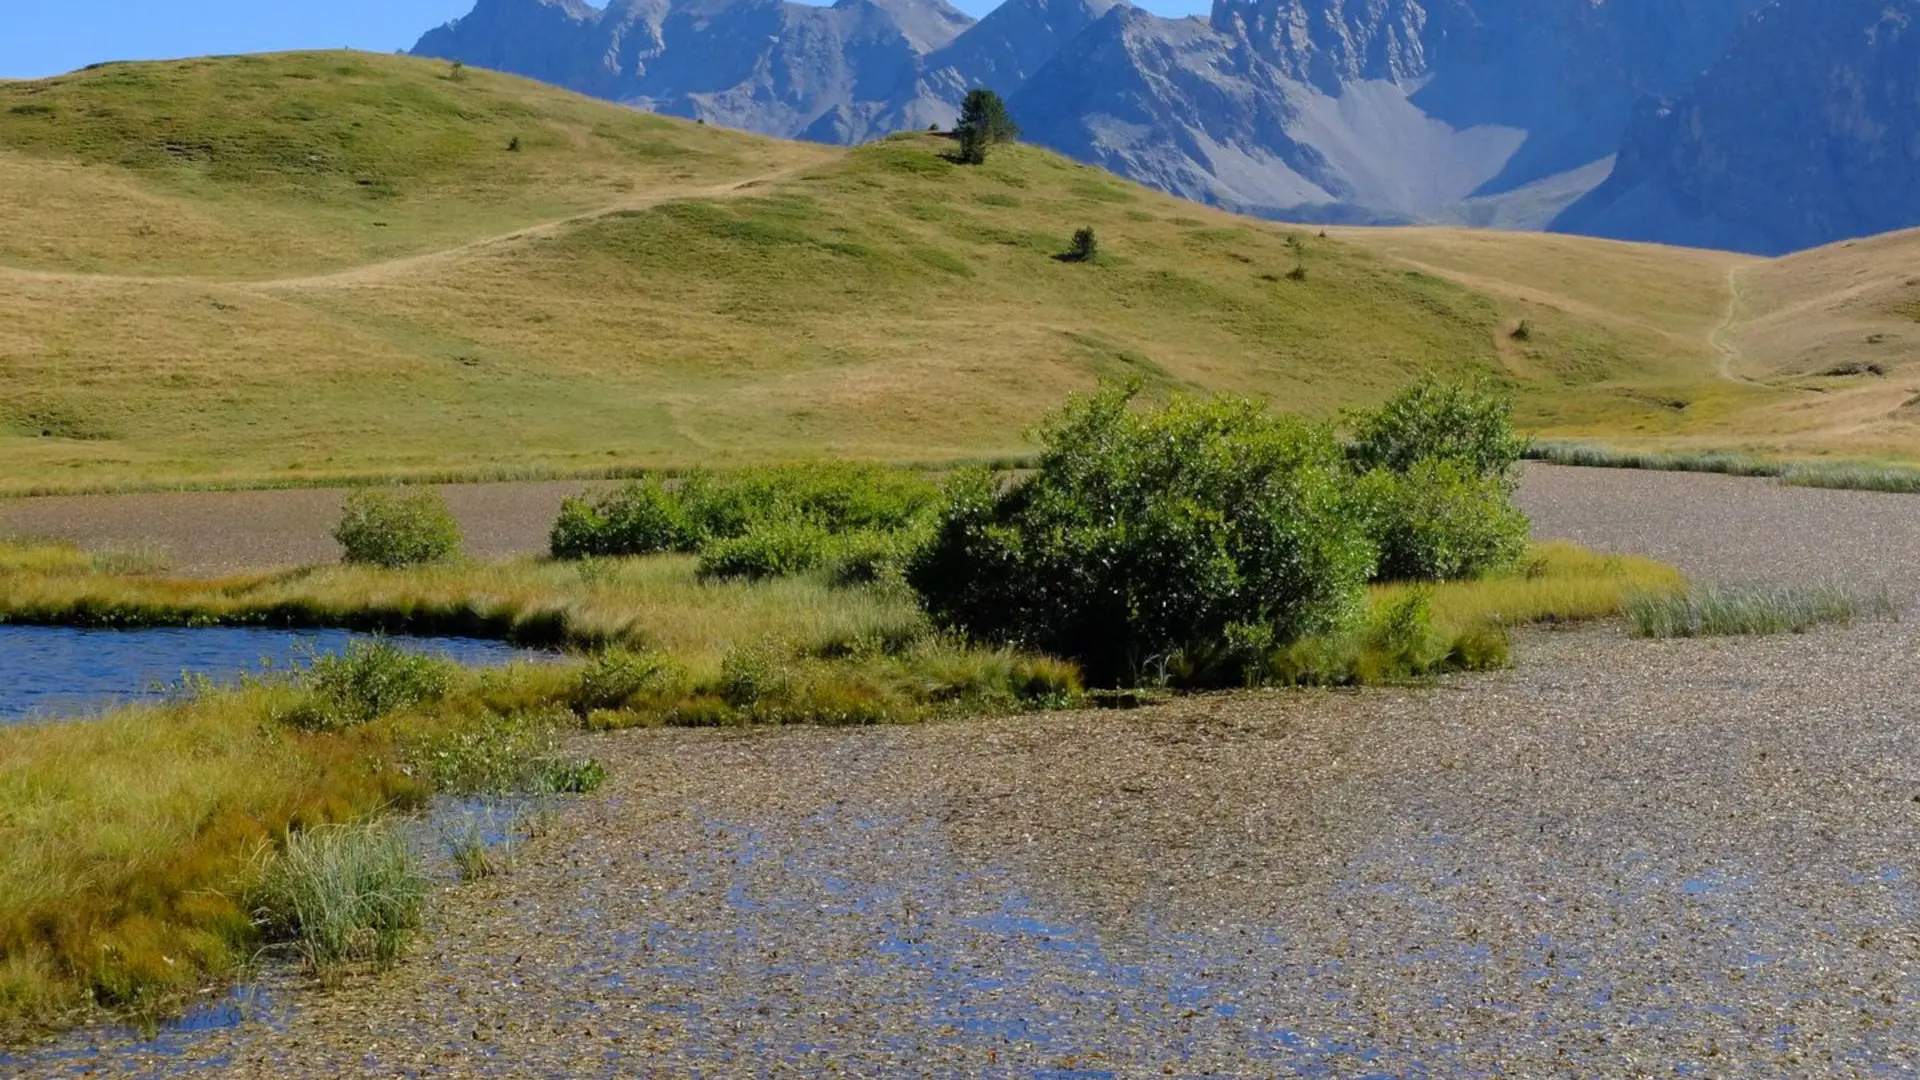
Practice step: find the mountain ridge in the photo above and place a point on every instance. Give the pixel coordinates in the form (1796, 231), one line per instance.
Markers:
(1356, 111)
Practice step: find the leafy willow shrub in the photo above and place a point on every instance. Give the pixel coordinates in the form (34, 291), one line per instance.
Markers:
(648, 517)
(366, 681)
(615, 677)
(642, 518)
(394, 530)
(873, 557)
(1142, 535)
(767, 549)
(1436, 419)
(1439, 521)
(1438, 470)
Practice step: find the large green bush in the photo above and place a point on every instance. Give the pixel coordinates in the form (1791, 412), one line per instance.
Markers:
(1467, 423)
(767, 549)
(648, 517)
(393, 530)
(1143, 535)
(1438, 464)
(1439, 521)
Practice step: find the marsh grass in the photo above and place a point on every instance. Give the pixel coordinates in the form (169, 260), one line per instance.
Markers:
(1717, 611)
(1415, 631)
(1842, 475)
(343, 895)
(1855, 476)
(1596, 456)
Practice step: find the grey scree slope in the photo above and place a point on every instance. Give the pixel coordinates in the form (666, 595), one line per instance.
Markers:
(1620, 858)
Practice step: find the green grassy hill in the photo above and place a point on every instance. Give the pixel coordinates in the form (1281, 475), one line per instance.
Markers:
(291, 268)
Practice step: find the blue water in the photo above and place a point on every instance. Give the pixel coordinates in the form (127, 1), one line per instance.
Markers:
(55, 672)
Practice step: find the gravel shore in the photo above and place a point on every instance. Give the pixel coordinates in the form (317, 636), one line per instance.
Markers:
(1620, 858)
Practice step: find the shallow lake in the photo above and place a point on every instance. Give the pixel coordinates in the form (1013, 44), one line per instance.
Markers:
(55, 672)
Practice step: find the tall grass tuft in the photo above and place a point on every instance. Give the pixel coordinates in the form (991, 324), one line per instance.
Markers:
(1715, 611)
(1855, 476)
(1595, 456)
(343, 895)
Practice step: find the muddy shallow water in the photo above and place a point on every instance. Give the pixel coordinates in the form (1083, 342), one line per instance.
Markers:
(1621, 858)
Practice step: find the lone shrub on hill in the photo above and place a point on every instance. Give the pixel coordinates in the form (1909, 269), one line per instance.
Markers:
(984, 121)
(393, 530)
(1085, 246)
(1143, 535)
(1438, 464)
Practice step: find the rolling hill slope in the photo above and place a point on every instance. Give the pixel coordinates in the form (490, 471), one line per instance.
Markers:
(291, 268)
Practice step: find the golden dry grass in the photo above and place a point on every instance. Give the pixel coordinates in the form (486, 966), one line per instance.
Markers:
(1809, 355)
(293, 268)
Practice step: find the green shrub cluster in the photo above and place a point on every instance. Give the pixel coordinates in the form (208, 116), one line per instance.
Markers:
(1437, 471)
(1146, 533)
(1199, 542)
(391, 529)
(516, 753)
(788, 506)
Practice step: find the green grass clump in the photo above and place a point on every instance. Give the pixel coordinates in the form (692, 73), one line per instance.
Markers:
(1717, 611)
(342, 895)
(396, 529)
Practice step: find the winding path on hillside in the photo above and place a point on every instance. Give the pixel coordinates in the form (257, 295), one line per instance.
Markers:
(1618, 858)
(402, 266)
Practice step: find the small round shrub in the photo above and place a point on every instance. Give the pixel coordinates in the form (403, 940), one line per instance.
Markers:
(366, 681)
(614, 677)
(393, 530)
(1142, 535)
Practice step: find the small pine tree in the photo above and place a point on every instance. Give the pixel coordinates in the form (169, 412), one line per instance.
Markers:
(983, 122)
(1085, 246)
(458, 72)
(973, 146)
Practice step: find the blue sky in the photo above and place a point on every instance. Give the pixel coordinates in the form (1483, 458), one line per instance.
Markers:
(47, 37)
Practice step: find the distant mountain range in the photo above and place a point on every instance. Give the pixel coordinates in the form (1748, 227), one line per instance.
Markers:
(1759, 125)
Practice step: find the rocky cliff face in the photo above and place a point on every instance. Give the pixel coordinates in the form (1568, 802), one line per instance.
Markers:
(1806, 131)
(1505, 111)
